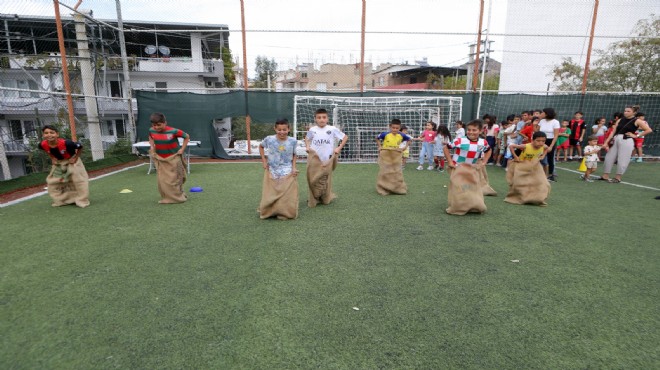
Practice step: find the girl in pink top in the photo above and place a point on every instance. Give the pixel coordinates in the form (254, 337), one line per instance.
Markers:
(427, 138)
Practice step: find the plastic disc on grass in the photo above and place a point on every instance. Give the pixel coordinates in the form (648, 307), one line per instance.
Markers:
(196, 189)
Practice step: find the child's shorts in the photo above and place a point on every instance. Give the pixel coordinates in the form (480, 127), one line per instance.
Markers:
(639, 142)
(591, 164)
(574, 142)
(563, 145)
(601, 140)
(406, 154)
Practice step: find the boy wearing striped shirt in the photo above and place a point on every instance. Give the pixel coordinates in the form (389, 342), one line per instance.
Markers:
(168, 157)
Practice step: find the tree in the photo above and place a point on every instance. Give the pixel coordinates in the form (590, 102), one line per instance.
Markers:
(228, 62)
(264, 69)
(628, 66)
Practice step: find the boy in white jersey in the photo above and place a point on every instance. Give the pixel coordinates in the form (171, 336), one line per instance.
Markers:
(320, 142)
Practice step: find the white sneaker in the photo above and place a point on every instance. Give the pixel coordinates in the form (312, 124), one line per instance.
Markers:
(419, 168)
(430, 168)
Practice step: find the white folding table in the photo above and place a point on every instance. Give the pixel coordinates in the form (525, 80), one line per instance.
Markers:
(186, 155)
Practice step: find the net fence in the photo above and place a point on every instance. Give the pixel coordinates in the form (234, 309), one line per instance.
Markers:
(427, 47)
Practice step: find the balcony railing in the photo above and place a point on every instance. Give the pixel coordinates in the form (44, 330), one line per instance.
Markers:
(16, 147)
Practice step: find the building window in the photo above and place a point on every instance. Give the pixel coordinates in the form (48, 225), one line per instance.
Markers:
(334, 84)
(381, 81)
(161, 85)
(30, 129)
(16, 129)
(413, 80)
(303, 75)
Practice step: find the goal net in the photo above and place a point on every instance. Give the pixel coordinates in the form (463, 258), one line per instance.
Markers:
(363, 118)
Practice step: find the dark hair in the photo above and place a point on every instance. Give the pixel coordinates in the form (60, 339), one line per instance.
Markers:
(635, 108)
(549, 113)
(579, 112)
(404, 127)
(534, 119)
(639, 114)
(320, 111)
(537, 110)
(491, 120)
(432, 124)
(617, 115)
(527, 112)
(395, 121)
(516, 116)
(598, 120)
(157, 117)
(459, 122)
(282, 121)
(444, 131)
(49, 127)
(539, 134)
(510, 117)
(476, 122)
(592, 138)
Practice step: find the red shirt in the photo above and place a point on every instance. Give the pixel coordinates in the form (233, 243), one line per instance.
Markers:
(527, 133)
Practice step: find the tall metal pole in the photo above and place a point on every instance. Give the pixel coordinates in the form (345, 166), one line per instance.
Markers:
(245, 79)
(65, 71)
(364, 17)
(486, 54)
(591, 41)
(475, 75)
(128, 91)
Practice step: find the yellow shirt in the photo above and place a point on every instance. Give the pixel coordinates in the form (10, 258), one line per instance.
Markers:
(391, 140)
(530, 153)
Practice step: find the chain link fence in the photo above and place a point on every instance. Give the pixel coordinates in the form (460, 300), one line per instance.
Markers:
(536, 48)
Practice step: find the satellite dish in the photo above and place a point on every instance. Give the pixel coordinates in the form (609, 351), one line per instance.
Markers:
(150, 49)
(164, 50)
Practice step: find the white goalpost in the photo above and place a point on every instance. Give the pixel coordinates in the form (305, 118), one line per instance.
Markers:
(363, 118)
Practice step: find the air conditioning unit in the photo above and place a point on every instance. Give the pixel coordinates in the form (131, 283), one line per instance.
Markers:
(209, 84)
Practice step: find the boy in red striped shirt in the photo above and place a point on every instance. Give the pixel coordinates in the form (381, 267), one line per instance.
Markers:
(168, 157)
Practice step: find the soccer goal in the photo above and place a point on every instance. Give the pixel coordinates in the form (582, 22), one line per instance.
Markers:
(363, 118)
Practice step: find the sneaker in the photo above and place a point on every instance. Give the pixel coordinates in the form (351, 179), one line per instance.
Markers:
(489, 163)
(441, 169)
(588, 180)
(581, 177)
(570, 158)
(552, 179)
(419, 168)
(639, 160)
(430, 168)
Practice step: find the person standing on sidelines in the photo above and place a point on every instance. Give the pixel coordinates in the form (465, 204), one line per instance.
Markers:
(550, 126)
(624, 131)
(427, 138)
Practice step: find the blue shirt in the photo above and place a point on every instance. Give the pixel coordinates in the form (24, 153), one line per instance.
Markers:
(280, 155)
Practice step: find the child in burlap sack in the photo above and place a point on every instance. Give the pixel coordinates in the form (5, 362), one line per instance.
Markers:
(322, 158)
(471, 153)
(68, 182)
(525, 176)
(390, 174)
(279, 194)
(167, 154)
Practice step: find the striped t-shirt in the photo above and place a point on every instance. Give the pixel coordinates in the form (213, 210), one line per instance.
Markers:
(167, 142)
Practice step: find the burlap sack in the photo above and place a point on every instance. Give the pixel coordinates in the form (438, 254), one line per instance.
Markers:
(319, 179)
(464, 192)
(483, 182)
(171, 177)
(68, 184)
(279, 197)
(527, 183)
(390, 177)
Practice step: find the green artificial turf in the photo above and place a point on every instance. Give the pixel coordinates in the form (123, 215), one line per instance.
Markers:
(365, 282)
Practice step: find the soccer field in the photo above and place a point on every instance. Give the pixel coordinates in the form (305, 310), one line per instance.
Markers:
(365, 282)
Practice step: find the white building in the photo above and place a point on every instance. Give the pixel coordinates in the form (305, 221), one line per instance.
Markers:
(30, 59)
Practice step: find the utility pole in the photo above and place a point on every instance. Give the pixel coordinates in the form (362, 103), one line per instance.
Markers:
(87, 77)
(128, 91)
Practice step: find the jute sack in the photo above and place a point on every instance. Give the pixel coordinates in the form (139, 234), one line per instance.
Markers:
(527, 183)
(485, 185)
(279, 197)
(390, 177)
(464, 192)
(171, 177)
(68, 184)
(319, 179)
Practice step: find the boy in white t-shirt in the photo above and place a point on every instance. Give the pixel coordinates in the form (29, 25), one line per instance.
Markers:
(591, 154)
(321, 140)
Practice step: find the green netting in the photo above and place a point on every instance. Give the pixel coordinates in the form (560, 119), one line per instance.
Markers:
(194, 113)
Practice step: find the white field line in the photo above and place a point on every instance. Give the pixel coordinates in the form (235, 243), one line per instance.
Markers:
(31, 196)
(622, 182)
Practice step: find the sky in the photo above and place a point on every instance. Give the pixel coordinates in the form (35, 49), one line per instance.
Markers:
(339, 16)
